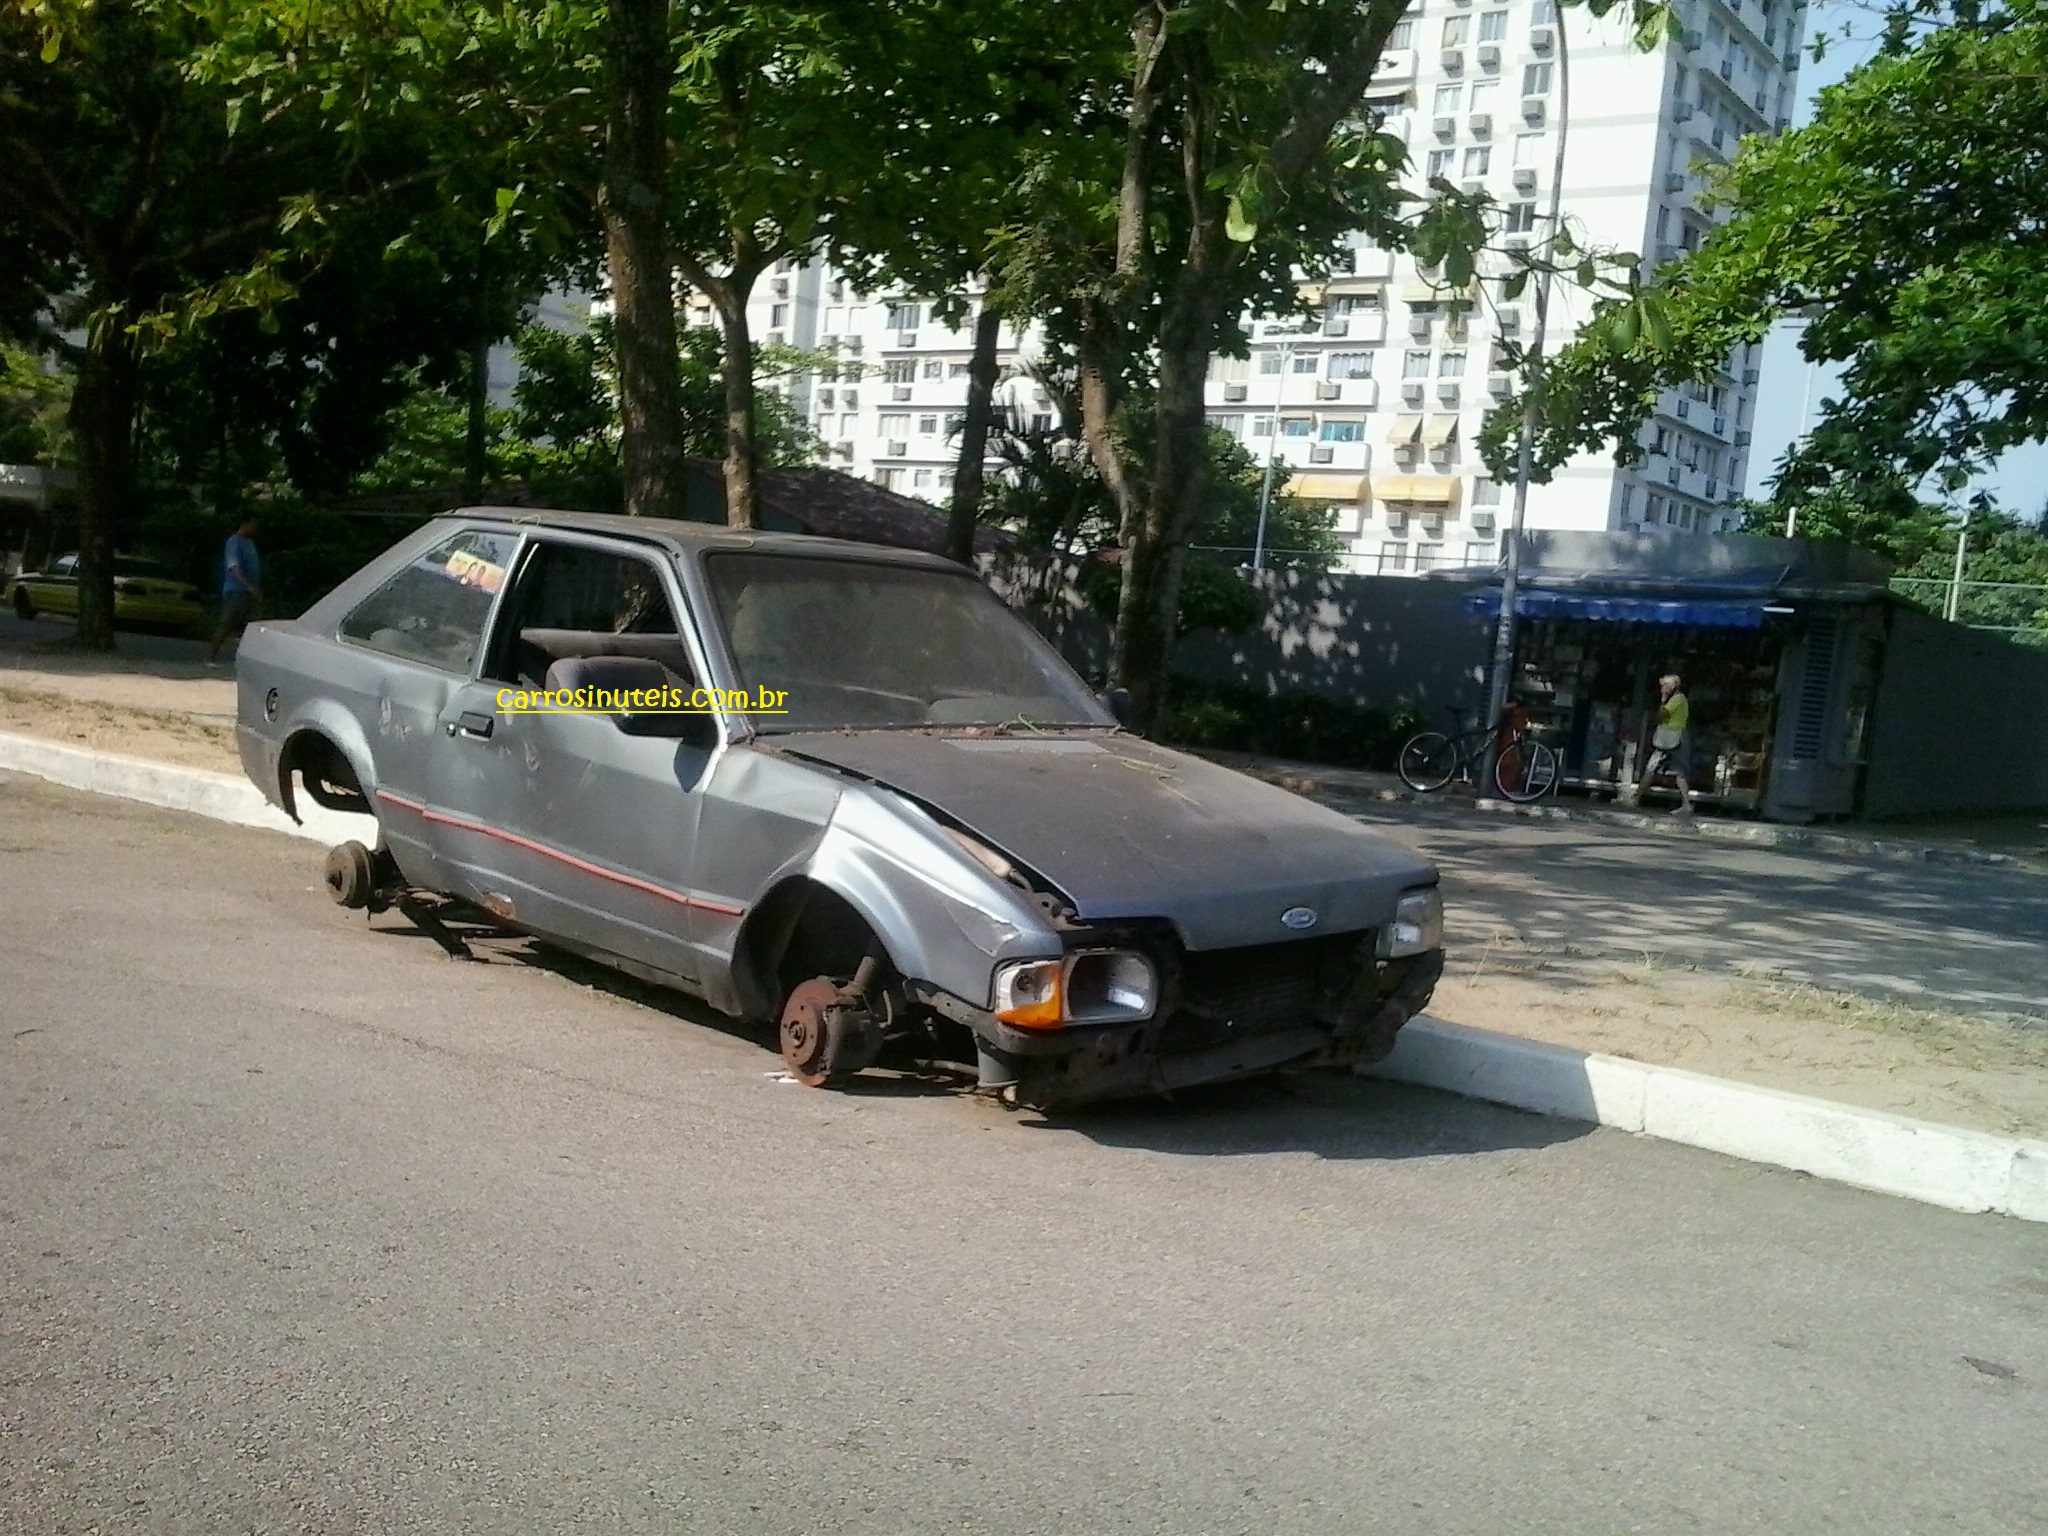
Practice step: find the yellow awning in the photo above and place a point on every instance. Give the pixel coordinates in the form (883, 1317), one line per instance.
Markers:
(1328, 487)
(1434, 490)
(1406, 429)
(1441, 429)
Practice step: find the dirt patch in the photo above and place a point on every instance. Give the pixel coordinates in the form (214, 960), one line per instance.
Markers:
(181, 739)
(1948, 1067)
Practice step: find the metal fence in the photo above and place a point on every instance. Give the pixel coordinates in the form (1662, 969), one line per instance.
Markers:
(2015, 609)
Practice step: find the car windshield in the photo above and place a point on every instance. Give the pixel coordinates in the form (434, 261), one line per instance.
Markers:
(866, 644)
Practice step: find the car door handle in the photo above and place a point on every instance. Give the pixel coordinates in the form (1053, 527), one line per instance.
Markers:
(473, 723)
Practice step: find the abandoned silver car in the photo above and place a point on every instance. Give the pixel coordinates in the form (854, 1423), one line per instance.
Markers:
(833, 788)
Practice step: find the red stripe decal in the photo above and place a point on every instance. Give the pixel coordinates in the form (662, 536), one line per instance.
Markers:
(464, 824)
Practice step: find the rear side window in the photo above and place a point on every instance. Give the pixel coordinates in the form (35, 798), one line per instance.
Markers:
(434, 610)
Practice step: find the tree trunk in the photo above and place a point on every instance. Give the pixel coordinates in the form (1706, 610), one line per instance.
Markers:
(974, 429)
(742, 452)
(639, 65)
(476, 443)
(102, 422)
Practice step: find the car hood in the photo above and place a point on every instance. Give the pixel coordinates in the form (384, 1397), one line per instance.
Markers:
(1124, 828)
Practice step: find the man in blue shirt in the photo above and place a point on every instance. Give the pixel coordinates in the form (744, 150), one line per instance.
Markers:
(241, 584)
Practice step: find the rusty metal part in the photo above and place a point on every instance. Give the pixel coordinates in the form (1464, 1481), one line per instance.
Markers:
(351, 875)
(806, 1030)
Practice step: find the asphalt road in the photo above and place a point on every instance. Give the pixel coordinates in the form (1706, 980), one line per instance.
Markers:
(304, 1228)
(1968, 937)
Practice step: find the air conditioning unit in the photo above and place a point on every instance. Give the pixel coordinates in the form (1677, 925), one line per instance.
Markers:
(1515, 243)
(897, 449)
(1321, 455)
(1472, 186)
(1411, 391)
(1750, 376)
(1482, 519)
(1533, 109)
(1440, 455)
(843, 449)
(1743, 439)
(1525, 178)
(1419, 327)
(1329, 389)
(1397, 514)
(1542, 39)
(1482, 124)
(1234, 393)
(1453, 61)
(899, 392)
(1674, 181)
(1682, 113)
(1407, 453)
(906, 338)
(1508, 321)
(1489, 55)
(1432, 521)
(850, 400)
(1444, 125)
(1447, 391)
(1336, 326)
(1499, 385)
(782, 287)
(854, 343)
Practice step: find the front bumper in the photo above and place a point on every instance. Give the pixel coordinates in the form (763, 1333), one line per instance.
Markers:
(1184, 1047)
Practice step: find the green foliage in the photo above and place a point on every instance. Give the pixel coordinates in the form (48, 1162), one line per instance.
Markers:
(2006, 559)
(1909, 221)
(32, 400)
(1309, 727)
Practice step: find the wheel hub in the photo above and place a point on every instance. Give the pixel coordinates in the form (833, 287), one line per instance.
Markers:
(806, 1031)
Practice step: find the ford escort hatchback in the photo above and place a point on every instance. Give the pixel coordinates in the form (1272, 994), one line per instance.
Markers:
(837, 789)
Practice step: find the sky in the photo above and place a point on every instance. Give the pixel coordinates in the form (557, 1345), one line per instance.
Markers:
(1787, 399)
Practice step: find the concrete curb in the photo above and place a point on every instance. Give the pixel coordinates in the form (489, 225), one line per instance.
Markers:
(1941, 1165)
(218, 796)
(1961, 1170)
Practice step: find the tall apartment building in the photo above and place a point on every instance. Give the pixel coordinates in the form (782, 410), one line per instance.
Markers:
(1373, 403)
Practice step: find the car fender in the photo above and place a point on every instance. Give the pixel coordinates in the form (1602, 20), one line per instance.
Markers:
(325, 717)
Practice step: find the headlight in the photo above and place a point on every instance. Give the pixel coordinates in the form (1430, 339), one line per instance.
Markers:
(1092, 986)
(1418, 924)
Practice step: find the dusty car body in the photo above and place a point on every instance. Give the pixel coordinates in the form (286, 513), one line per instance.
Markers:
(935, 844)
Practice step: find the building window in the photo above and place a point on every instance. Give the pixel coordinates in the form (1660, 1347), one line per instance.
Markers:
(889, 479)
(899, 370)
(956, 369)
(934, 368)
(921, 477)
(1269, 362)
(1438, 165)
(1493, 26)
(1343, 432)
(1536, 79)
(1403, 36)
(1228, 370)
(893, 424)
(1544, 14)
(1350, 365)
(1483, 92)
(1262, 426)
(1521, 218)
(955, 420)
(1415, 365)
(928, 426)
(1357, 304)
(1296, 426)
(904, 317)
(1304, 362)
(1478, 160)
(1447, 99)
(1394, 556)
(1527, 148)
(1485, 492)
(1451, 365)
(1042, 422)
(848, 422)
(1234, 425)
(778, 314)
(945, 479)
(1456, 28)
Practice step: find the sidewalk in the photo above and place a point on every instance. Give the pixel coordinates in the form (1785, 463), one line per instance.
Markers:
(2018, 840)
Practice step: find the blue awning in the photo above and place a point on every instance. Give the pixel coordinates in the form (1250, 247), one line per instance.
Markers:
(1702, 614)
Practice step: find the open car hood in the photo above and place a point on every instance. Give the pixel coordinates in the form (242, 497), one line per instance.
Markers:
(1124, 828)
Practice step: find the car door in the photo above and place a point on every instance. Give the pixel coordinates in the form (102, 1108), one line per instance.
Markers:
(406, 650)
(559, 821)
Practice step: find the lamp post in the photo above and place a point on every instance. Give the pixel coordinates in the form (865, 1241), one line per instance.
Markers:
(1805, 413)
(1525, 447)
(1955, 586)
(1272, 451)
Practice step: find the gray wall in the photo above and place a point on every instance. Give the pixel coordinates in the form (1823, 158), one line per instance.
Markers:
(1960, 724)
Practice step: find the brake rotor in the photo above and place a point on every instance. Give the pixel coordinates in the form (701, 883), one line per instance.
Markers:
(806, 1045)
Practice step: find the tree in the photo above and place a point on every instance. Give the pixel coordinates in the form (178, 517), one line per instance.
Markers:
(1909, 222)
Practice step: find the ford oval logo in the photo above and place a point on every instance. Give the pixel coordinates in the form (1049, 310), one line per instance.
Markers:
(1299, 917)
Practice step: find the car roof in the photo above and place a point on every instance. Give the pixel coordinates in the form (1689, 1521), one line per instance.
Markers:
(687, 537)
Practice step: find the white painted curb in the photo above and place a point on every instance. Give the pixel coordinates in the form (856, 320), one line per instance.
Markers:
(1943, 1165)
(1939, 1164)
(219, 796)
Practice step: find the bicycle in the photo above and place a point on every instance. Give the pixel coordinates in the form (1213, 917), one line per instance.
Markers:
(1525, 769)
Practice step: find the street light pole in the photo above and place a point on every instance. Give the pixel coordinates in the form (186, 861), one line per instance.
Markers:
(1955, 586)
(1272, 449)
(1525, 447)
(1805, 412)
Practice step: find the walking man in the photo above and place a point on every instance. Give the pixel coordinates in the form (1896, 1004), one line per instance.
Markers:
(1668, 751)
(241, 584)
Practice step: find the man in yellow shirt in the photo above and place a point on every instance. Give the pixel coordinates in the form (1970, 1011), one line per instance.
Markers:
(1668, 752)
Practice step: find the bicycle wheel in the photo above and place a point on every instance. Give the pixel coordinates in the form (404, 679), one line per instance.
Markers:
(1428, 761)
(1526, 770)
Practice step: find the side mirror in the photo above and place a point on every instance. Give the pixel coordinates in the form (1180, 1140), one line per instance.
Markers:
(1118, 702)
(690, 727)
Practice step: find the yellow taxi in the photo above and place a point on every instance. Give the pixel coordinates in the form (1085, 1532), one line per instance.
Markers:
(144, 593)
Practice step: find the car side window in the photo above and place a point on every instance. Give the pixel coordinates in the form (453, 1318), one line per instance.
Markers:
(571, 600)
(434, 610)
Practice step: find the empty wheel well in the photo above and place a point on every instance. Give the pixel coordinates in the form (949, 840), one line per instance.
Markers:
(324, 769)
(802, 929)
